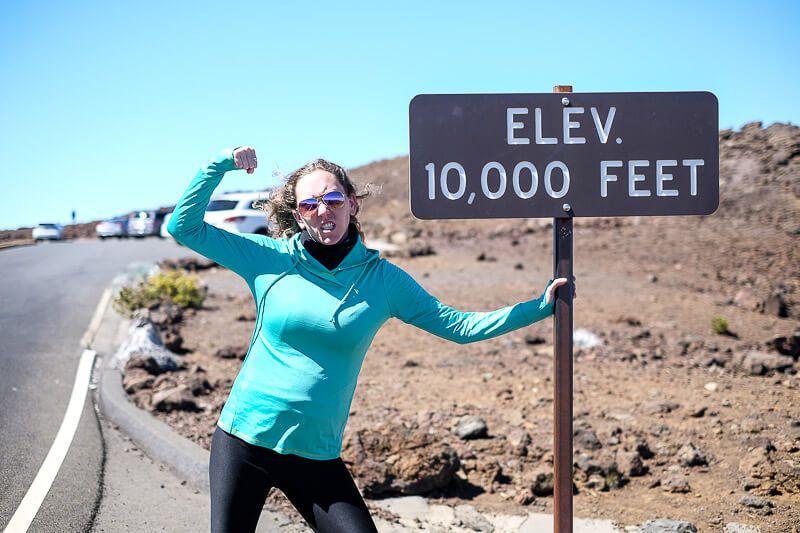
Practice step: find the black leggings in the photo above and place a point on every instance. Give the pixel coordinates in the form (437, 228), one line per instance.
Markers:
(242, 475)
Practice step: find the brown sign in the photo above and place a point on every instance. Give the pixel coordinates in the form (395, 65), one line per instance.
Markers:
(527, 155)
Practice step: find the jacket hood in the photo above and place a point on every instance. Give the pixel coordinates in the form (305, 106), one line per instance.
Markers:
(359, 258)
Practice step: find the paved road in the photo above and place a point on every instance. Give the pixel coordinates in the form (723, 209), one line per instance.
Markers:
(48, 294)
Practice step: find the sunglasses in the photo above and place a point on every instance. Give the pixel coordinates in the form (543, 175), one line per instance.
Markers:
(333, 199)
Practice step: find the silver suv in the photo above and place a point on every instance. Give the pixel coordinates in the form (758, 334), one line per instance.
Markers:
(144, 223)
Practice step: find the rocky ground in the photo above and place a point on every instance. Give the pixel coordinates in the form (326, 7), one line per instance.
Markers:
(672, 418)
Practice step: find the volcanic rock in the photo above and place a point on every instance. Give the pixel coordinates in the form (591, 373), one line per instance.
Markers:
(676, 485)
(231, 352)
(758, 363)
(178, 398)
(690, 455)
(631, 464)
(667, 526)
(586, 439)
(754, 502)
(471, 427)
(393, 458)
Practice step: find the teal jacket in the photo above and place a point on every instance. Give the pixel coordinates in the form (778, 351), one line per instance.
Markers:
(314, 325)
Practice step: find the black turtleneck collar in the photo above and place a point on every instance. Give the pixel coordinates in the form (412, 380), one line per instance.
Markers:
(330, 255)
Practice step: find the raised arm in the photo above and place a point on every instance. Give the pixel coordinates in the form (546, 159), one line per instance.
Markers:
(412, 304)
(238, 252)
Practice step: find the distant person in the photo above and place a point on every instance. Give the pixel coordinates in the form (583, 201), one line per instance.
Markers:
(321, 296)
(73, 217)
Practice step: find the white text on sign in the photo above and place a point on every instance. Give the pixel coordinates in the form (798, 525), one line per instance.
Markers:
(603, 128)
(644, 177)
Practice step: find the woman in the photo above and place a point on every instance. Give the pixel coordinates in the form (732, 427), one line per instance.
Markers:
(321, 297)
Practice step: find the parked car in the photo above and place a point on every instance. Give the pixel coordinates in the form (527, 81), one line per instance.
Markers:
(234, 212)
(164, 233)
(144, 223)
(114, 227)
(47, 231)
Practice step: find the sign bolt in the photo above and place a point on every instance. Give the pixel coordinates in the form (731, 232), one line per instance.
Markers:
(565, 101)
(566, 207)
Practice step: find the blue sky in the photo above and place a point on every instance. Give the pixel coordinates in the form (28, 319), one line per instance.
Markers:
(107, 107)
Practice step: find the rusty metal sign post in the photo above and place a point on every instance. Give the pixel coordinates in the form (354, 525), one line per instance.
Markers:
(586, 154)
(562, 367)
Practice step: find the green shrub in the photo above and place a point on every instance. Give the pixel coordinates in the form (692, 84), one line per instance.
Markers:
(171, 286)
(720, 326)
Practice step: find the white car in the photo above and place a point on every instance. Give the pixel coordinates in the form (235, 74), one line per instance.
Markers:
(114, 227)
(234, 212)
(49, 232)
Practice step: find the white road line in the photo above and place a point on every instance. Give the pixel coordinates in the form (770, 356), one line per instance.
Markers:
(33, 499)
(97, 317)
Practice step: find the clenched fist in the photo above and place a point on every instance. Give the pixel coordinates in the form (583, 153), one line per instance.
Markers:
(245, 157)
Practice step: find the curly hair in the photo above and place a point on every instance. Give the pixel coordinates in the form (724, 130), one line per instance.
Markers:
(283, 200)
